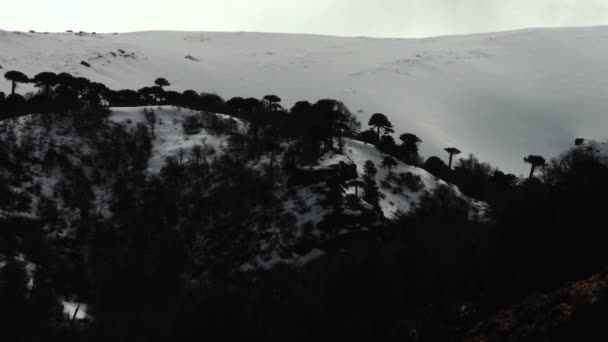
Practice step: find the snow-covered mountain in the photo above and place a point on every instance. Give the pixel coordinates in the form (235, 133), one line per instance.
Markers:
(498, 95)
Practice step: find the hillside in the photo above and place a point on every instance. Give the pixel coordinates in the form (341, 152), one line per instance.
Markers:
(158, 213)
(500, 96)
(58, 160)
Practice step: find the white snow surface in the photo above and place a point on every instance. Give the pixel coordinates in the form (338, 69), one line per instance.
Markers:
(169, 136)
(359, 152)
(500, 95)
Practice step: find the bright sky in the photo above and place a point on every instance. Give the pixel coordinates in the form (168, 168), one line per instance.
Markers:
(379, 18)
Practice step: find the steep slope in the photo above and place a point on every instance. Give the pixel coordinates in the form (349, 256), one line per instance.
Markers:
(498, 95)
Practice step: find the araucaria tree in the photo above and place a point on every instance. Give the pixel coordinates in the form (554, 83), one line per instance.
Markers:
(451, 151)
(356, 183)
(389, 163)
(45, 80)
(535, 161)
(15, 77)
(162, 82)
(381, 124)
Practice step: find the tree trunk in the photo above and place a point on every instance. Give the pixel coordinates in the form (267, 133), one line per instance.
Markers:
(74, 316)
(377, 141)
(14, 87)
(450, 163)
(532, 171)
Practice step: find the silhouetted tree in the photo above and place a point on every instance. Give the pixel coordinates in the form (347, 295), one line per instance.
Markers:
(15, 77)
(357, 183)
(381, 123)
(158, 93)
(535, 161)
(45, 80)
(146, 93)
(409, 148)
(368, 137)
(503, 181)
(162, 82)
(387, 145)
(189, 98)
(300, 107)
(273, 102)
(328, 119)
(389, 163)
(472, 177)
(451, 151)
(236, 106)
(65, 78)
(211, 103)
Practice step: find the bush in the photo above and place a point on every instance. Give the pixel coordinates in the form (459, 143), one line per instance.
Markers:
(411, 181)
(192, 125)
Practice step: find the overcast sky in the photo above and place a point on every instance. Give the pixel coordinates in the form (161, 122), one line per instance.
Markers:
(379, 18)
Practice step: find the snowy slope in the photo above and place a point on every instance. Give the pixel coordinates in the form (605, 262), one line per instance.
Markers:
(391, 204)
(499, 95)
(276, 250)
(291, 231)
(169, 136)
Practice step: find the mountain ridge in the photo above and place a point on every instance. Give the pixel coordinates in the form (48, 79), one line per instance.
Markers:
(490, 94)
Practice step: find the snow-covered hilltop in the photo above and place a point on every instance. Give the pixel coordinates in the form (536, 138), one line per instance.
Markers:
(499, 95)
(55, 164)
